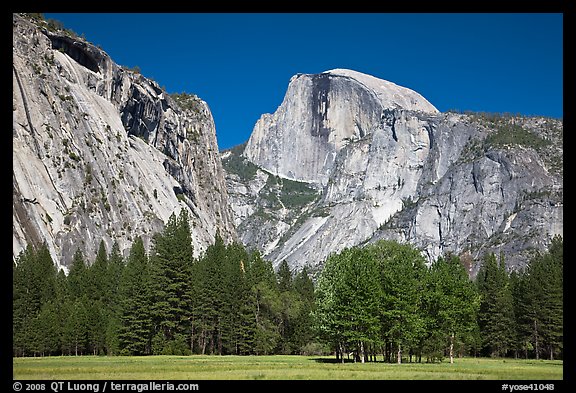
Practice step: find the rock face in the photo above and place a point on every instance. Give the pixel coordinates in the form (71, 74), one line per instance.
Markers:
(102, 153)
(379, 161)
(320, 115)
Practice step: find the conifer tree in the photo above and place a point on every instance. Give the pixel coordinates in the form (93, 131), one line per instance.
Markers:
(34, 285)
(135, 303)
(77, 276)
(171, 263)
(97, 284)
(98, 275)
(521, 335)
(112, 300)
(264, 299)
(496, 312)
(303, 324)
(553, 298)
(48, 326)
(208, 303)
(290, 309)
(75, 327)
(235, 294)
(23, 303)
(542, 303)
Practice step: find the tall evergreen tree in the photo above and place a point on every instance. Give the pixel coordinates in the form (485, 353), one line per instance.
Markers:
(75, 327)
(553, 298)
(244, 326)
(98, 281)
(77, 276)
(208, 298)
(97, 290)
(496, 312)
(48, 326)
(284, 277)
(290, 309)
(235, 292)
(112, 301)
(303, 325)
(34, 285)
(542, 301)
(23, 303)
(520, 294)
(171, 263)
(135, 303)
(264, 298)
(45, 274)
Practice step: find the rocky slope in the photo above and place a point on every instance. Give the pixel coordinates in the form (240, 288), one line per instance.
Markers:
(101, 152)
(375, 160)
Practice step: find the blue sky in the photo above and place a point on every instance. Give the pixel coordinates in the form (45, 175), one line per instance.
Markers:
(241, 63)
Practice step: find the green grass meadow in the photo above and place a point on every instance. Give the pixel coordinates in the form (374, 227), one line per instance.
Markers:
(278, 367)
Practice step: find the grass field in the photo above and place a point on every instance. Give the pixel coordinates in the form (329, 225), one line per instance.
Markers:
(275, 367)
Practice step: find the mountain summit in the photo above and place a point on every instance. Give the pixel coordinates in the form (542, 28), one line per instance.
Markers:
(348, 158)
(319, 116)
(102, 153)
(390, 94)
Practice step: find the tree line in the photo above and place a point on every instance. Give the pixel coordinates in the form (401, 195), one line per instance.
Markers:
(379, 299)
(228, 301)
(383, 299)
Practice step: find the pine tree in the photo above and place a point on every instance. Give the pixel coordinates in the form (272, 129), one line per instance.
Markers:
(542, 301)
(98, 281)
(34, 285)
(61, 301)
(265, 301)
(235, 293)
(284, 277)
(114, 274)
(171, 263)
(303, 324)
(112, 301)
(48, 325)
(97, 289)
(290, 308)
(75, 327)
(208, 302)
(553, 298)
(135, 303)
(45, 274)
(243, 324)
(496, 312)
(77, 276)
(521, 336)
(22, 301)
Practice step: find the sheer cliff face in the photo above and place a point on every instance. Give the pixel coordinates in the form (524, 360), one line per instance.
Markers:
(320, 115)
(102, 153)
(387, 164)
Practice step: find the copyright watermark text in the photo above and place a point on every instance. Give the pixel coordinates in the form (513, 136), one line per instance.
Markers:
(529, 386)
(102, 386)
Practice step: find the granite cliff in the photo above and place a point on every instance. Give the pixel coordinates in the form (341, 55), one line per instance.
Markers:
(360, 159)
(101, 152)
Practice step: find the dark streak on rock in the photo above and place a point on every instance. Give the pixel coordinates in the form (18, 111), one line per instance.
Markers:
(320, 105)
